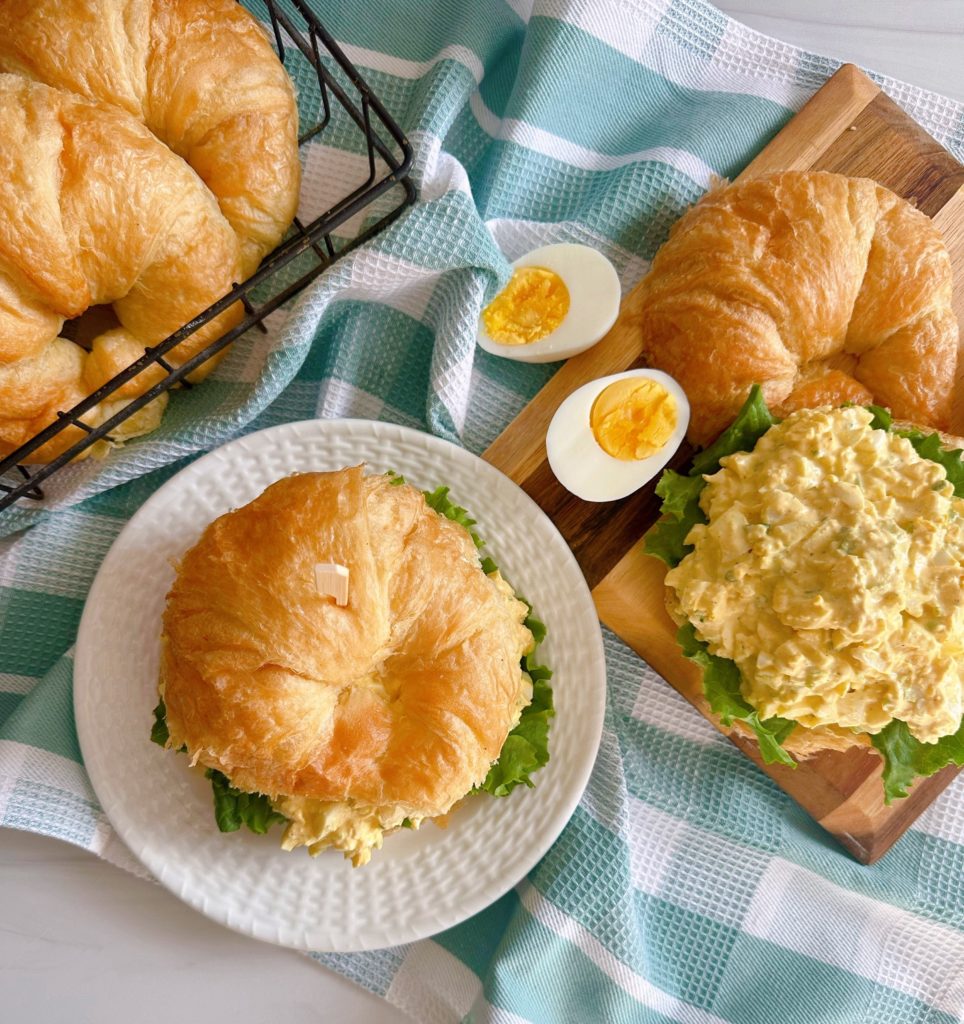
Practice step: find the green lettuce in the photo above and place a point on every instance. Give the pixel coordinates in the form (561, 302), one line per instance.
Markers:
(526, 748)
(928, 445)
(882, 419)
(159, 731)
(681, 512)
(439, 501)
(751, 423)
(721, 686)
(232, 807)
(681, 494)
(905, 758)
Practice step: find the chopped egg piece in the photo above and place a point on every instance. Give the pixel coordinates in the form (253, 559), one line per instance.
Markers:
(633, 418)
(354, 829)
(613, 435)
(532, 305)
(560, 300)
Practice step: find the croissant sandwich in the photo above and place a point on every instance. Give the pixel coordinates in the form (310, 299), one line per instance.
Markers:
(817, 577)
(346, 716)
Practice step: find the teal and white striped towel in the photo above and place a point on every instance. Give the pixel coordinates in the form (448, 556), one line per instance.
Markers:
(687, 887)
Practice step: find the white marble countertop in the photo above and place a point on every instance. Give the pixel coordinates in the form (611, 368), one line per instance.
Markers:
(82, 941)
(917, 41)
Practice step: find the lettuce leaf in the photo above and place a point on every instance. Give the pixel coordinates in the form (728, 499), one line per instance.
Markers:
(928, 446)
(681, 494)
(906, 758)
(440, 501)
(535, 626)
(681, 512)
(721, 686)
(882, 418)
(234, 808)
(751, 423)
(159, 731)
(526, 748)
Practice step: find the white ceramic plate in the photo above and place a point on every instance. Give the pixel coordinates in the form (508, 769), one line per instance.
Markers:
(419, 883)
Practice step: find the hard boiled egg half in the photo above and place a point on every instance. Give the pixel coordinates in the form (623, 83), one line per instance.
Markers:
(560, 300)
(613, 435)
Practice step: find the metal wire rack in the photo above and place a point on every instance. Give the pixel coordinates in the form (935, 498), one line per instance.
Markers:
(294, 25)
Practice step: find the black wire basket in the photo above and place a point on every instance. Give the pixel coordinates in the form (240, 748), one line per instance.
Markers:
(347, 105)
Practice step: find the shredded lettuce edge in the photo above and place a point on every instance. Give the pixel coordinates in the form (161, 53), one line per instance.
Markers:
(525, 750)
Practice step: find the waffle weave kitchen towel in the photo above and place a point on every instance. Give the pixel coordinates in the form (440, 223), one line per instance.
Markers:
(687, 887)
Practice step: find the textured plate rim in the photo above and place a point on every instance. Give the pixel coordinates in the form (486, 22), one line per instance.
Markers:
(100, 772)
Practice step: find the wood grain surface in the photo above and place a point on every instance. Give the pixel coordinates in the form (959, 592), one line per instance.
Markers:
(849, 127)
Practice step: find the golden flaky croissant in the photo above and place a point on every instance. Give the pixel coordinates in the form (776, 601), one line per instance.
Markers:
(201, 74)
(127, 221)
(822, 288)
(351, 719)
(93, 209)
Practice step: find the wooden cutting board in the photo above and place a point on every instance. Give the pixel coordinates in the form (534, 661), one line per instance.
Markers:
(849, 127)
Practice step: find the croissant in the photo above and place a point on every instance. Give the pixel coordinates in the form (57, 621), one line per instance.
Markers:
(351, 719)
(822, 288)
(201, 74)
(93, 209)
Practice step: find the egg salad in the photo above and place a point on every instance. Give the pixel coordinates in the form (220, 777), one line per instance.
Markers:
(830, 570)
(356, 831)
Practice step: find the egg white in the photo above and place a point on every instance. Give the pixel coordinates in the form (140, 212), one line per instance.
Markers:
(581, 464)
(594, 296)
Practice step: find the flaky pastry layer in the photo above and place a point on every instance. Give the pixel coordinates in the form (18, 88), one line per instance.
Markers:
(824, 289)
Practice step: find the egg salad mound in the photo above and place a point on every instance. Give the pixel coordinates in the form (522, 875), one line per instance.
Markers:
(817, 574)
(831, 571)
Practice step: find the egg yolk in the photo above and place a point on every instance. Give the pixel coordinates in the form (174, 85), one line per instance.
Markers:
(533, 304)
(633, 418)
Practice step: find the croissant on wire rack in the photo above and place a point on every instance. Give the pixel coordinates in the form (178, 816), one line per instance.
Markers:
(156, 163)
(822, 288)
(95, 210)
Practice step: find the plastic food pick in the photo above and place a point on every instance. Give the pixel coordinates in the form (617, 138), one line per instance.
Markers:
(331, 580)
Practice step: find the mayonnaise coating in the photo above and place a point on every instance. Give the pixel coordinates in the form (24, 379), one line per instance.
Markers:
(832, 573)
